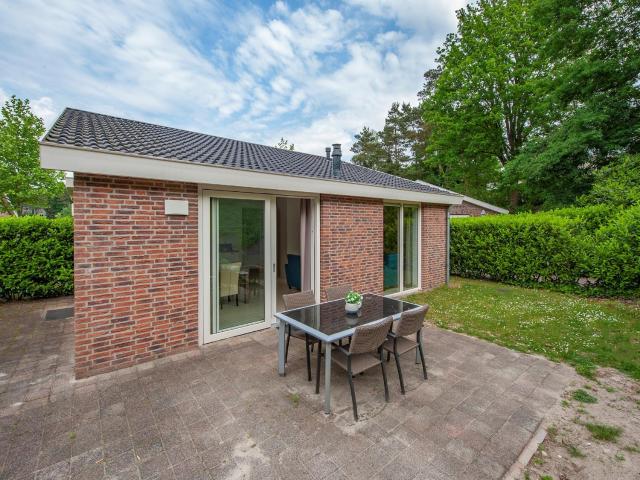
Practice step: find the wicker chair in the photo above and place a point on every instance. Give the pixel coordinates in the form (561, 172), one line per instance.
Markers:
(364, 352)
(338, 292)
(410, 323)
(299, 300)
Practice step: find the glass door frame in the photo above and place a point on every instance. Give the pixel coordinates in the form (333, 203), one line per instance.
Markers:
(205, 193)
(401, 290)
(207, 245)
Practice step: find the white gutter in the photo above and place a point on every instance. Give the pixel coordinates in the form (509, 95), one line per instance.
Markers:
(100, 162)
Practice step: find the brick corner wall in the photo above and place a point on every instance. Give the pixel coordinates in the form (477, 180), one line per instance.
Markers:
(136, 272)
(434, 245)
(351, 243)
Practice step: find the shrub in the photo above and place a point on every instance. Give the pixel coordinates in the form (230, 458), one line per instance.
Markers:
(616, 259)
(593, 250)
(36, 257)
(525, 249)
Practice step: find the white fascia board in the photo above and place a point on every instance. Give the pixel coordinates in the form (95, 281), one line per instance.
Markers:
(480, 203)
(84, 160)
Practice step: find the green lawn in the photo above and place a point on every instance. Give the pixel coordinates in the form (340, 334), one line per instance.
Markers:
(582, 332)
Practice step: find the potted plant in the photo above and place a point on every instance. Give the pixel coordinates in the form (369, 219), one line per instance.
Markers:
(353, 302)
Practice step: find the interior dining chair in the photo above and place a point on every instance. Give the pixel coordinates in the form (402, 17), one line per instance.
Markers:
(338, 292)
(364, 352)
(299, 300)
(410, 323)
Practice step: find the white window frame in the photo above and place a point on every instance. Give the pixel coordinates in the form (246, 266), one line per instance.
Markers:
(401, 290)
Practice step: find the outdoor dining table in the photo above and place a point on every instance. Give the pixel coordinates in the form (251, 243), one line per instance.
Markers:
(329, 323)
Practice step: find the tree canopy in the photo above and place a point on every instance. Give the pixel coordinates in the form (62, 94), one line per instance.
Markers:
(23, 183)
(527, 102)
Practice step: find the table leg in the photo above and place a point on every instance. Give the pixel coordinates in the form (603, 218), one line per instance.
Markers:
(327, 377)
(281, 342)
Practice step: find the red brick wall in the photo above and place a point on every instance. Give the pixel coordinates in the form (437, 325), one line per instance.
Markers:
(136, 272)
(351, 243)
(434, 245)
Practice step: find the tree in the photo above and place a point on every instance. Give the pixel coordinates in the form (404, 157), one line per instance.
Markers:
(481, 98)
(399, 147)
(22, 181)
(617, 184)
(284, 144)
(368, 150)
(591, 96)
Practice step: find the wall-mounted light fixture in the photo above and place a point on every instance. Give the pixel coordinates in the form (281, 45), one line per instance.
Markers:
(176, 207)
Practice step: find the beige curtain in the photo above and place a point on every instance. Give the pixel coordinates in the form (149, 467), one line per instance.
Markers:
(306, 243)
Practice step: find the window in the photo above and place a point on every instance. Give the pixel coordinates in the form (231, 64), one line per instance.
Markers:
(400, 252)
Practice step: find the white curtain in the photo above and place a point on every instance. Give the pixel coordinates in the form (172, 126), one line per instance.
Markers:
(306, 243)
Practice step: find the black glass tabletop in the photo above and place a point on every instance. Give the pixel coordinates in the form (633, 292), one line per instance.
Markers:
(330, 318)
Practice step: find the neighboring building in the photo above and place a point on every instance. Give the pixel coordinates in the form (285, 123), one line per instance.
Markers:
(470, 207)
(183, 238)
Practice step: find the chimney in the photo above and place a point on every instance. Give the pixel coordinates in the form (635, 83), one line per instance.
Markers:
(328, 151)
(337, 160)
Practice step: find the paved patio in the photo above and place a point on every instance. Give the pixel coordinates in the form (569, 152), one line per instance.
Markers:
(223, 412)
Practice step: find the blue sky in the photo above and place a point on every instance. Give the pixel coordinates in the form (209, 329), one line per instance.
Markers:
(312, 72)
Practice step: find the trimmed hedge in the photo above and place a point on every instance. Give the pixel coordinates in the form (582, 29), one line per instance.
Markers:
(591, 250)
(36, 257)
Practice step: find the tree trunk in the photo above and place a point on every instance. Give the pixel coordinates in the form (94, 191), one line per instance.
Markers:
(514, 199)
(8, 206)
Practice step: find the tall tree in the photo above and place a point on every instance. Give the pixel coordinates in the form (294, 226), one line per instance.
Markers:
(481, 98)
(399, 147)
(368, 150)
(22, 181)
(591, 94)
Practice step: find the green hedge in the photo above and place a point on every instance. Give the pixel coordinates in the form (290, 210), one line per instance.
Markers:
(591, 250)
(36, 257)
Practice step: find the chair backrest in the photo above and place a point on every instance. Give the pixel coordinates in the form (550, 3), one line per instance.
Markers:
(411, 321)
(338, 292)
(367, 338)
(299, 300)
(229, 274)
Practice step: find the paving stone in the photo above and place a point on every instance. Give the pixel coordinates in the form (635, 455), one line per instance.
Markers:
(153, 466)
(222, 411)
(56, 471)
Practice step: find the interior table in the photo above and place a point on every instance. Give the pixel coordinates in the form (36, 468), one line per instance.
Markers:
(329, 322)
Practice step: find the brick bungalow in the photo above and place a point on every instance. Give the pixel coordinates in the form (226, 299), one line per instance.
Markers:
(183, 238)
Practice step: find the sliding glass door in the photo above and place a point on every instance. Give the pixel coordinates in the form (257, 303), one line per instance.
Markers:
(391, 248)
(238, 259)
(401, 245)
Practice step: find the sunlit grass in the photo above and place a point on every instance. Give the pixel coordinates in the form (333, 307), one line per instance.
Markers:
(582, 332)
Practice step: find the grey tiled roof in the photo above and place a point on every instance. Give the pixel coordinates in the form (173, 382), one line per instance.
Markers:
(103, 132)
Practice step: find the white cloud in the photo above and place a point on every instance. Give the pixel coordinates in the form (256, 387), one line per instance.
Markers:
(313, 75)
(42, 107)
(425, 16)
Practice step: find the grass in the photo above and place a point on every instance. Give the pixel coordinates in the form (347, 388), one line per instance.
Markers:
(606, 433)
(575, 451)
(580, 331)
(582, 396)
(632, 448)
(295, 399)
